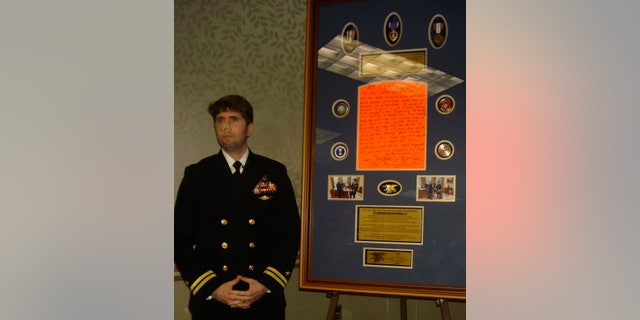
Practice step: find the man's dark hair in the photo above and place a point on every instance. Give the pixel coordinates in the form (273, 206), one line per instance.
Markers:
(232, 103)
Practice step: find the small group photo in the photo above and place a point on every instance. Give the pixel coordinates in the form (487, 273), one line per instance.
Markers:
(345, 187)
(436, 188)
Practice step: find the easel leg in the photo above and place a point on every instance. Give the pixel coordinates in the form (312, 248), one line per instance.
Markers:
(403, 308)
(333, 304)
(444, 309)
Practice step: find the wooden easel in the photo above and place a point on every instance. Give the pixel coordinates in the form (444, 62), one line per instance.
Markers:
(442, 303)
(333, 304)
(444, 308)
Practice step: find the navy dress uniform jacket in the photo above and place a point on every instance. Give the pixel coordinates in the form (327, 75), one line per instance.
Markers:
(236, 225)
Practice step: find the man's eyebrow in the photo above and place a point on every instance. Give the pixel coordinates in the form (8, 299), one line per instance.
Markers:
(234, 117)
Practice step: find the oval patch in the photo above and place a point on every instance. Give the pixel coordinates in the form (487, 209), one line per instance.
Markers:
(389, 188)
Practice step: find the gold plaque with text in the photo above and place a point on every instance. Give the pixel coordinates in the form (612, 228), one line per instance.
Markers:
(389, 224)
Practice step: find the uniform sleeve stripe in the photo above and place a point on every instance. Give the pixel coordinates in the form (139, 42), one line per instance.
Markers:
(201, 278)
(269, 273)
(203, 282)
(275, 274)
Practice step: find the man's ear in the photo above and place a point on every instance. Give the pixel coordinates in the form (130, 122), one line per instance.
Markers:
(249, 129)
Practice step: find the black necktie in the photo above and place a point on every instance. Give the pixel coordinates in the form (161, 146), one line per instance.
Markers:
(237, 165)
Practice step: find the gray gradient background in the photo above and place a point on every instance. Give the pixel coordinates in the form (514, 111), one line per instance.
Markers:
(86, 129)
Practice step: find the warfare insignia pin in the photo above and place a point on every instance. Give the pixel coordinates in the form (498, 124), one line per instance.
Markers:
(389, 188)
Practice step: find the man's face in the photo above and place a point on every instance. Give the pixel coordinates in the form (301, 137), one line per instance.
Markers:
(232, 131)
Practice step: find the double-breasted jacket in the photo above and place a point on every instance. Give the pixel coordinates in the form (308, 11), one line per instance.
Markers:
(227, 225)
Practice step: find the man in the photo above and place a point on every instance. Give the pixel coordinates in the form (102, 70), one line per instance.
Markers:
(340, 186)
(237, 227)
(354, 188)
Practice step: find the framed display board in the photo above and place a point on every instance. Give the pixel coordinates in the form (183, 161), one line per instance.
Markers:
(384, 180)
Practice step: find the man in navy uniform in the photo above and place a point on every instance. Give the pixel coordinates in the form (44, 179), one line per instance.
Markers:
(237, 227)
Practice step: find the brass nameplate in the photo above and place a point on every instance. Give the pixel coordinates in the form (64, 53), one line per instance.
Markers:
(388, 258)
(393, 62)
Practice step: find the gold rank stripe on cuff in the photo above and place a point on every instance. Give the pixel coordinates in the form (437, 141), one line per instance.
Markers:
(275, 274)
(201, 281)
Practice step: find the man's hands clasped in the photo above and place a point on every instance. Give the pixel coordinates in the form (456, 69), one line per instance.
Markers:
(237, 298)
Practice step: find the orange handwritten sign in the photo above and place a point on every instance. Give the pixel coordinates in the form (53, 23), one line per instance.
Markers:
(392, 126)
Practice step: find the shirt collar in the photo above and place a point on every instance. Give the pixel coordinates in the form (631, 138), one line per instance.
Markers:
(231, 160)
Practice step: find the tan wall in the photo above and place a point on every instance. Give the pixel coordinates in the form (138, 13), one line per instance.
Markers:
(256, 48)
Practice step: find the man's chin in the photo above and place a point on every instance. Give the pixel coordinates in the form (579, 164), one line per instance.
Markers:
(230, 147)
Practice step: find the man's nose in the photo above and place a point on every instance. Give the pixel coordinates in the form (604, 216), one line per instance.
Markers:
(225, 126)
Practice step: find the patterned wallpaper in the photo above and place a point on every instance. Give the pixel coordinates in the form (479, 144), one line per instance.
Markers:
(254, 48)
